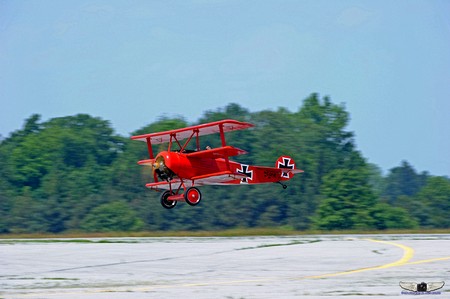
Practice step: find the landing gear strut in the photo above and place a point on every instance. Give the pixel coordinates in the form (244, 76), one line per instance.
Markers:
(284, 186)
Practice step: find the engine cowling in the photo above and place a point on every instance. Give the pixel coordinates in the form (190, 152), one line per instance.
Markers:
(161, 169)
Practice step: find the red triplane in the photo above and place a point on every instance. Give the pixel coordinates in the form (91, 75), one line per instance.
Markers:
(184, 169)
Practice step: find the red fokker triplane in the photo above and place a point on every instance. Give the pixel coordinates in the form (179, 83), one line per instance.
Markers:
(178, 171)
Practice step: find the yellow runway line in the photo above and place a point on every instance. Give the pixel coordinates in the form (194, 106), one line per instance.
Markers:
(429, 260)
(408, 253)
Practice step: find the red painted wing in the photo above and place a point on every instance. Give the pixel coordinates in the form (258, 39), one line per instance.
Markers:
(220, 152)
(216, 178)
(158, 186)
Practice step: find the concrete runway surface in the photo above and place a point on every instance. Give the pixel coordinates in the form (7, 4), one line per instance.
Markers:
(314, 266)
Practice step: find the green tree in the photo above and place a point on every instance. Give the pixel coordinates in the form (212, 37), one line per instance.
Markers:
(54, 168)
(74, 173)
(431, 205)
(111, 217)
(321, 145)
(27, 215)
(376, 179)
(347, 200)
(5, 208)
(388, 217)
(403, 181)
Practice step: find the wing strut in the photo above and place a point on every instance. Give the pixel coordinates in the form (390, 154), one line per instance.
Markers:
(224, 143)
(222, 135)
(149, 147)
(150, 153)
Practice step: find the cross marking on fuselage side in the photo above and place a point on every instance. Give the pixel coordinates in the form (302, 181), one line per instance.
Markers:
(245, 171)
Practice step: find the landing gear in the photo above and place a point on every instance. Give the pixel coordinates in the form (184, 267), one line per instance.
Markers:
(284, 186)
(165, 202)
(192, 196)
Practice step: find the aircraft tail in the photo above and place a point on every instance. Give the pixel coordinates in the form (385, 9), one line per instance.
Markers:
(287, 164)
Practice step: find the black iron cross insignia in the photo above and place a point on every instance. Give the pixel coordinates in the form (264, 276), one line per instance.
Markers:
(286, 165)
(245, 171)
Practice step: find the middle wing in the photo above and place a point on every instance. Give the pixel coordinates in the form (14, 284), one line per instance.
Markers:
(220, 152)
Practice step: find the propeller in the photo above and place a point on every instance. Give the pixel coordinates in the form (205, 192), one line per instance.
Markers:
(159, 169)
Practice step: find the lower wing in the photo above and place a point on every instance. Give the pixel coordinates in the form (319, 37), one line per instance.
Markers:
(215, 178)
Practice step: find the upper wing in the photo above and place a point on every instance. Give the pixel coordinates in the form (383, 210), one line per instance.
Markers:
(199, 130)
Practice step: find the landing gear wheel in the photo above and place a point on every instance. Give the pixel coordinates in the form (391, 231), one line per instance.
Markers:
(192, 196)
(168, 204)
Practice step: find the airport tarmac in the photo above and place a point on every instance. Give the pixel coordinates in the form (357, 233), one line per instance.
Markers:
(314, 266)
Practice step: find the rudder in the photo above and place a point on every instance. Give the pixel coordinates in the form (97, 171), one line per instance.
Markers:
(286, 162)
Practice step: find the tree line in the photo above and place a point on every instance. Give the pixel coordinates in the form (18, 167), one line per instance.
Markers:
(75, 173)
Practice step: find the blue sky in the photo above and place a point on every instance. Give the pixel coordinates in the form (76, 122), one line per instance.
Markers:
(131, 62)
